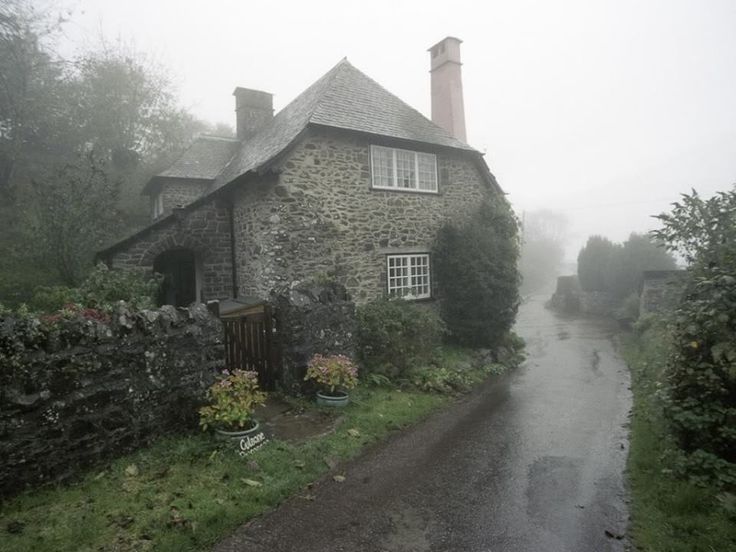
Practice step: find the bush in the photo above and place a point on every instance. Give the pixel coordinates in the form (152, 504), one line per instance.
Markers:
(617, 268)
(100, 290)
(475, 267)
(394, 334)
(700, 393)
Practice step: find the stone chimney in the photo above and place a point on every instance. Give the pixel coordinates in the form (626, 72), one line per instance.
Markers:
(448, 110)
(253, 109)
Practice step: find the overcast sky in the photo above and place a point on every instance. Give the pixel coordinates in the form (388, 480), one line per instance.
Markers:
(603, 110)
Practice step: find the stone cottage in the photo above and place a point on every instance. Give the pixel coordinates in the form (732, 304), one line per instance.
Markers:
(346, 179)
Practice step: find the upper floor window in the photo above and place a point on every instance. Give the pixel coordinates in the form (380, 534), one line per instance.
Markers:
(398, 169)
(158, 205)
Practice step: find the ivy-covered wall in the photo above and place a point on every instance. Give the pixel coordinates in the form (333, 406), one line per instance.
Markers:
(80, 389)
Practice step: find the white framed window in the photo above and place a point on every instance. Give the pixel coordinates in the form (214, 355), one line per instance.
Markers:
(158, 205)
(408, 276)
(398, 169)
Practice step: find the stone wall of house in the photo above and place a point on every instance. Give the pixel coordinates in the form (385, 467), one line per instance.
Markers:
(78, 392)
(181, 192)
(314, 318)
(204, 229)
(322, 216)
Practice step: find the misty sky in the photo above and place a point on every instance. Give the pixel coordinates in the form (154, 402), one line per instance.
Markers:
(604, 110)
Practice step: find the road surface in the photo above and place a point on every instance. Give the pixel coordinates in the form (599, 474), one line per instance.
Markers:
(532, 462)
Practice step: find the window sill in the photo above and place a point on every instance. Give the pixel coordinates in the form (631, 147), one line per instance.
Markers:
(406, 190)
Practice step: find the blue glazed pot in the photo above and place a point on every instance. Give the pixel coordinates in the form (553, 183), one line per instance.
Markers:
(339, 399)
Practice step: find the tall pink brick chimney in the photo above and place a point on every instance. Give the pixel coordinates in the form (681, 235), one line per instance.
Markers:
(448, 110)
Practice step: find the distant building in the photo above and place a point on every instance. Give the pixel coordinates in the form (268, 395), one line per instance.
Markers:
(660, 290)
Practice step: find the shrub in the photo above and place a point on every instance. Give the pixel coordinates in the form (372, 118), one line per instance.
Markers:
(101, 290)
(475, 267)
(233, 400)
(332, 372)
(393, 334)
(617, 268)
(700, 393)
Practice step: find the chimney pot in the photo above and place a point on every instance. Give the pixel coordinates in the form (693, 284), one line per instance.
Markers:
(448, 110)
(253, 109)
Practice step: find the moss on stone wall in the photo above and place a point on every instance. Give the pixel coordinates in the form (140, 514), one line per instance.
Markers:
(78, 390)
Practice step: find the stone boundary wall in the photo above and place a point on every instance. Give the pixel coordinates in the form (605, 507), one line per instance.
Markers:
(661, 290)
(312, 319)
(570, 298)
(78, 391)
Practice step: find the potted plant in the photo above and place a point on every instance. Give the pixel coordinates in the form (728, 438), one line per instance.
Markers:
(232, 402)
(335, 375)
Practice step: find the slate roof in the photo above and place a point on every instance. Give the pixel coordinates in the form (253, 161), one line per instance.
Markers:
(343, 98)
(205, 158)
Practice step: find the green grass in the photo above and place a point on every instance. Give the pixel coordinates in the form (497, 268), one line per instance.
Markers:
(668, 514)
(187, 493)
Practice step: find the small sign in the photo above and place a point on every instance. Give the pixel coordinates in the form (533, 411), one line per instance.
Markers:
(252, 442)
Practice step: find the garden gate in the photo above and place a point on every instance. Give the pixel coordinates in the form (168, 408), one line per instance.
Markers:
(250, 344)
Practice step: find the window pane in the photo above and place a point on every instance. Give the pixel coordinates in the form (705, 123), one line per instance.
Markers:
(383, 167)
(405, 177)
(427, 171)
(408, 276)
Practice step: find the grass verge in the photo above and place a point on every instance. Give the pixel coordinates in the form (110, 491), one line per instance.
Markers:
(185, 493)
(668, 514)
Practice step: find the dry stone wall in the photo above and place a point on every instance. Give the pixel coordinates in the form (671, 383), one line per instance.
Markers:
(314, 318)
(79, 391)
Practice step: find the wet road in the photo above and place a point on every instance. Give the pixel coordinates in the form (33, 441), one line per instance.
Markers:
(533, 462)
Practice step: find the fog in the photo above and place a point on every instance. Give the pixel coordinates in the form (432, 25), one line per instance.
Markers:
(601, 111)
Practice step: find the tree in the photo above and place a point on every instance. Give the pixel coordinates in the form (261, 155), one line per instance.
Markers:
(30, 86)
(637, 254)
(594, 263)
(53, 111)
(475, 267)
(542, 248)
(74, 212)
(700, 395)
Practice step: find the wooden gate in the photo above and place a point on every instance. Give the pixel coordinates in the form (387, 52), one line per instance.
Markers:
(250, 345)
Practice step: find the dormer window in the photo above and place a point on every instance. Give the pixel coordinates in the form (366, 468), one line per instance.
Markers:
(398, 169)
(158, 205)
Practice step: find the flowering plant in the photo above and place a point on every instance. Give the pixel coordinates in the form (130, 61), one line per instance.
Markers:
(233, 400)
(332, 372)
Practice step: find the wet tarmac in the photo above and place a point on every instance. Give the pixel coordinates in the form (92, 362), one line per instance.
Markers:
(532, 461)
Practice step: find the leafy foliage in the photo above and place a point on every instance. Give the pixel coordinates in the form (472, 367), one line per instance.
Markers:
(669, 512)
(233, 400)
(475, 268)
(617, 268)
(334, 372)
(75, 212)
(700, 394)
(101, 290)
(594, 263)
(109, 103)
(394, 334)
